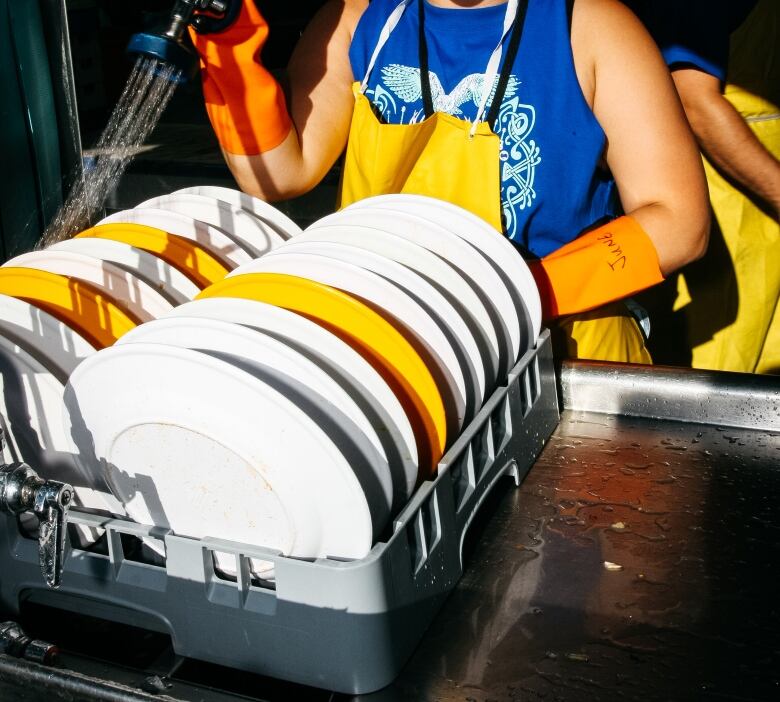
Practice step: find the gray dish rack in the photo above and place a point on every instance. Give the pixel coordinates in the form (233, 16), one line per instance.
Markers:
(345, 626)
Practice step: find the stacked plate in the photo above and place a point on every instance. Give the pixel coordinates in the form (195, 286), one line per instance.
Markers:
(296, 403)
(58, 305)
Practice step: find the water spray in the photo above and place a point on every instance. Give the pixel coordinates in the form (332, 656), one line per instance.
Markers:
(163, 59)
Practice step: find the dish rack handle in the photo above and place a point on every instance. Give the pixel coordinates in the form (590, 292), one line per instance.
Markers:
(21, 490)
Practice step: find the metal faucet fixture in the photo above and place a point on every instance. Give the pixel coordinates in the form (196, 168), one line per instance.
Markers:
(21, 490)
(184, 13)
(14, 642)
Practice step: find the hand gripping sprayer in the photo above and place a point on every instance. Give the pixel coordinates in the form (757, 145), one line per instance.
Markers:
(170, 45)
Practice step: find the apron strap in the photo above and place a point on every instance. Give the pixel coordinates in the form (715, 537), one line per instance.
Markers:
(492, 68)
(509, 62)
(384, 35)
(425, 76)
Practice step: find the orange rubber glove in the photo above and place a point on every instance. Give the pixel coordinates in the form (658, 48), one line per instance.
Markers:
(604, 265)
(244, 102)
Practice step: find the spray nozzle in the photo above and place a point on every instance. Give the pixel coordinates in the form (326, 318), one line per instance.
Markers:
(169, 45)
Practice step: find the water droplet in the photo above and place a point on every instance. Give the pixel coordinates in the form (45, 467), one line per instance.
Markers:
(578, 657)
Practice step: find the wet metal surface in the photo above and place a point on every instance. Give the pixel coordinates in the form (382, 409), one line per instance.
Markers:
(637, 561)
(681, 394)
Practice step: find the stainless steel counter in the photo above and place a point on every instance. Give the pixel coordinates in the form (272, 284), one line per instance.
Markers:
(638, 560)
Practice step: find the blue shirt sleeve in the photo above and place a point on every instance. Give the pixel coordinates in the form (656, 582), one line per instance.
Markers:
(712, 59)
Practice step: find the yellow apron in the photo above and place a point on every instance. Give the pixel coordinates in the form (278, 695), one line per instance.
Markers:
(457, 161)
(729, 299)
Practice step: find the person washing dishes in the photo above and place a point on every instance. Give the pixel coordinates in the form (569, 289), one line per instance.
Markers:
(548, 118)
(724, 59)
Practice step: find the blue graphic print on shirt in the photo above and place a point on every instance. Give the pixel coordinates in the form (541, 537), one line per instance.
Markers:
(398, 99)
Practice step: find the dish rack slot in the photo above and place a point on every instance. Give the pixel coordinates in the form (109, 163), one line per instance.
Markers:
(239, 569)
(346, 626)
(463, 478)
(501, 424)
(423, 532)
(116, 541)
(530, 386)
(483, 450)
(241, 589)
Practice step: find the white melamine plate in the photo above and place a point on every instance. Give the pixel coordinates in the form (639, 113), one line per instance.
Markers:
(58, 347)
(428, 297)
(398, 307)
(255, 206)
(225, 248)
(255, 236)
(486, 283)
(504, 257)
(300, 380)
(170, 282)
(193, 443)
(31, 405)
(138, 297)
(341, 361)
(433, 269)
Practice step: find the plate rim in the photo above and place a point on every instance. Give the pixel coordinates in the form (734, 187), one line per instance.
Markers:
(176, 252)
(244, 226)
(286, 226)
(169, 282)
(218, 239)
(12, 305)
(148, 304)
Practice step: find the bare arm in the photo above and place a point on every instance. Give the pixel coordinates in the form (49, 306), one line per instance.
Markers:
(320, 103)
(725, 138)
(651, 151)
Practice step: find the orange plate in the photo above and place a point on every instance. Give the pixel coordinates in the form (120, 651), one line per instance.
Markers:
(188, 256)
(98, 317)
(369, 334)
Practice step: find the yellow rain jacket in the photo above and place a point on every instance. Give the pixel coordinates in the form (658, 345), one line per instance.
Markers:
(729, 300)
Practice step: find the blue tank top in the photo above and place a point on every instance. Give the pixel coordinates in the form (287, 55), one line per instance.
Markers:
(552, 187)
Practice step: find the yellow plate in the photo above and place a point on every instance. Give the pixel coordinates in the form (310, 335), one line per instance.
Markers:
(100, 319)
(369, 334)
(188, 256)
